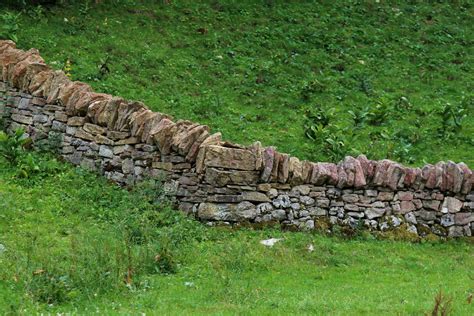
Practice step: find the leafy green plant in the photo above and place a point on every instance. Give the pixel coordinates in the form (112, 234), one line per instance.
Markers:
(9, 25)
(317, 118)
(335, 147)
(12, 148)
(310, 88)
(380, 111)
(37, 12)
(359, 116)
(452, 118)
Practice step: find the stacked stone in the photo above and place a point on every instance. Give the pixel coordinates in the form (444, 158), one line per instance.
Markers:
(341, 193)
(218, 181)
(123, 140)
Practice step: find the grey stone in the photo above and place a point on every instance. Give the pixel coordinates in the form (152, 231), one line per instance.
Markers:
(28, 120)
(58, 126)
(374, 212)
(40, 118)
(255, 196)
(306, 200)
(378, 204)
(304, 213)
(431, 204)
(451, 205)
(310, 224)
(426, 215)
(245, 210)
(394, 221)
(351, 207)
(272, 193)
(411, 218)
(105, 151)
(295, 206)
(264, 208)
(76, 121)
(356, 214)
(88, 164)
(279, 214)
(455, 231)
(350, 198)
(463, 218)
(302, 189)
(412, 229)
(127, 166)
(373, 224)
(226, 198)
(282, 201)
(71, 130)
(317, 211)
(322, 202)
(447, 220)
(212, 211)
(371, 193)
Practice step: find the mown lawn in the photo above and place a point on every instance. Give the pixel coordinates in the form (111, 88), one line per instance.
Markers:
(391, 80)
(74, 243)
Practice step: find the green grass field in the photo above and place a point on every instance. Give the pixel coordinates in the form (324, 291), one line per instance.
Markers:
(69, 240)
(388, 80)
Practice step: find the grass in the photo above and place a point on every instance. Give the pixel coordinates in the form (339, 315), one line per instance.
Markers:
(75, 243)
(394, 80)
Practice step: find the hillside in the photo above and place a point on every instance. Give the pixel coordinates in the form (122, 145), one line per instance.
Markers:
(318, 80)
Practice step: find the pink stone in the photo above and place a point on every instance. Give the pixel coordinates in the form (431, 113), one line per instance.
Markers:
(283, 168)
(307, 171)
(276, 164)
(429, 176)
(393, 175)
(268, 157)
(405, 196)
(468, 178)
(381, 172)
(355, 172)
(440, 175)
(407, 207)
(342, 176)
(368, 167)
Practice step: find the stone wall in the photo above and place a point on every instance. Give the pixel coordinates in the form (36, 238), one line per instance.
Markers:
(218, 181)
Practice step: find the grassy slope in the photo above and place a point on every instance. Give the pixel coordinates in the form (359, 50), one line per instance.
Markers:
(71, 224)
(251, 70)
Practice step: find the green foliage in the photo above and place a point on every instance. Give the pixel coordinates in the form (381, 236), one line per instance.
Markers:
(380, 111)
(9, 25)
(452, 118)
(359, 116)
(12, 148)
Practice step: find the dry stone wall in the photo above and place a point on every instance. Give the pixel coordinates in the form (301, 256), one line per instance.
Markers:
(218, 181)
